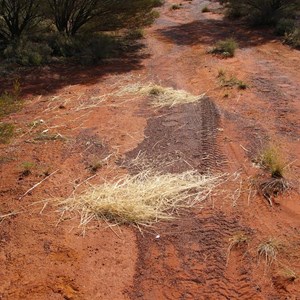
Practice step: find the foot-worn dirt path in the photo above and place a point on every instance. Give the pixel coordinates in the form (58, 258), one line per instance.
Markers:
(43, 255)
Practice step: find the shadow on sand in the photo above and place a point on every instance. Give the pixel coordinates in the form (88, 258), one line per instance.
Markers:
(51, 78)
(208, 32)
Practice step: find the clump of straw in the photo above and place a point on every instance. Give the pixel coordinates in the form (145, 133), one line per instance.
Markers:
(160, 96)
(142, 199)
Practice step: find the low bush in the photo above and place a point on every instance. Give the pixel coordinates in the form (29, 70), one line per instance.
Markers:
(293, 38)
(285, 26)
(261, 12)
(27, 53)
(134, 34)
(99, 47)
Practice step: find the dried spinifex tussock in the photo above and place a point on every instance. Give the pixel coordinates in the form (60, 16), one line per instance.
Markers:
(142, 199)
(160, 96)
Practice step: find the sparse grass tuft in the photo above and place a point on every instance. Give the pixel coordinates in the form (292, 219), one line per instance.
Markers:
(225, 48)
(269, 250)
(46, 136)
(10, 101)
(160, 96)
(96, 165)
(27, 167)
(289, 274)
(237, 240)
(271, 159)
(6, 132)
(231, 81)
(143, 199)
(221, 73)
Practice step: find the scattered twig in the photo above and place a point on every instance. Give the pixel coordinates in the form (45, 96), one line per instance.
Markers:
(37, 184)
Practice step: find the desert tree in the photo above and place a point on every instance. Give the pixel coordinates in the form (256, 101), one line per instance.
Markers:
(18, 16)
(70, 16)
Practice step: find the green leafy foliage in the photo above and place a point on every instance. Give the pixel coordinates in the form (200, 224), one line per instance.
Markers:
(262, 12)
(33, 31)
(27, 53)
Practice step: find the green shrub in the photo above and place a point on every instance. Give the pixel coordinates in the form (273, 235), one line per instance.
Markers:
(285, 26)
(225, 48)
(262, 12)
(63, 45)
(27, 53)
(6, 132)
(293, 38)
(99, 47)
(235, 10)
(89, 49)
(134, 34)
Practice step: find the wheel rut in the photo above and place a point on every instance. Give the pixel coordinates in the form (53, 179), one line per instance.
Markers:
(189, 261)
(182, 138)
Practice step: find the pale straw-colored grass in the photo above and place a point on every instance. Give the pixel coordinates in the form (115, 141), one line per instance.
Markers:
(160, 96)
(142, 199)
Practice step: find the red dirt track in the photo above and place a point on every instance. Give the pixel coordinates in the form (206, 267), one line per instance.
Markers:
(45, 255)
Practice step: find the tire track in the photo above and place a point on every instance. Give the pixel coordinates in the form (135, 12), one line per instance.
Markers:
(182, 138)
(188, 261)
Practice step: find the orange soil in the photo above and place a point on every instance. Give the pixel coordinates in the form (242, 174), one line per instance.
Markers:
(43, 255)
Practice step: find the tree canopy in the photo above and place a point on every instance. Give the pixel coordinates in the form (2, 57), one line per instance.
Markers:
(17, 16)
(70, 16)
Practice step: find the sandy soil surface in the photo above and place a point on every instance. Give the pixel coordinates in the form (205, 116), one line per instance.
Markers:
(72, 119)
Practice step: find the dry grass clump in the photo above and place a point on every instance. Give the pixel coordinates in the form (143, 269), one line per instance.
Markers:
(269, 250)
(143, 199)
(273, 187)
(160, 96)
